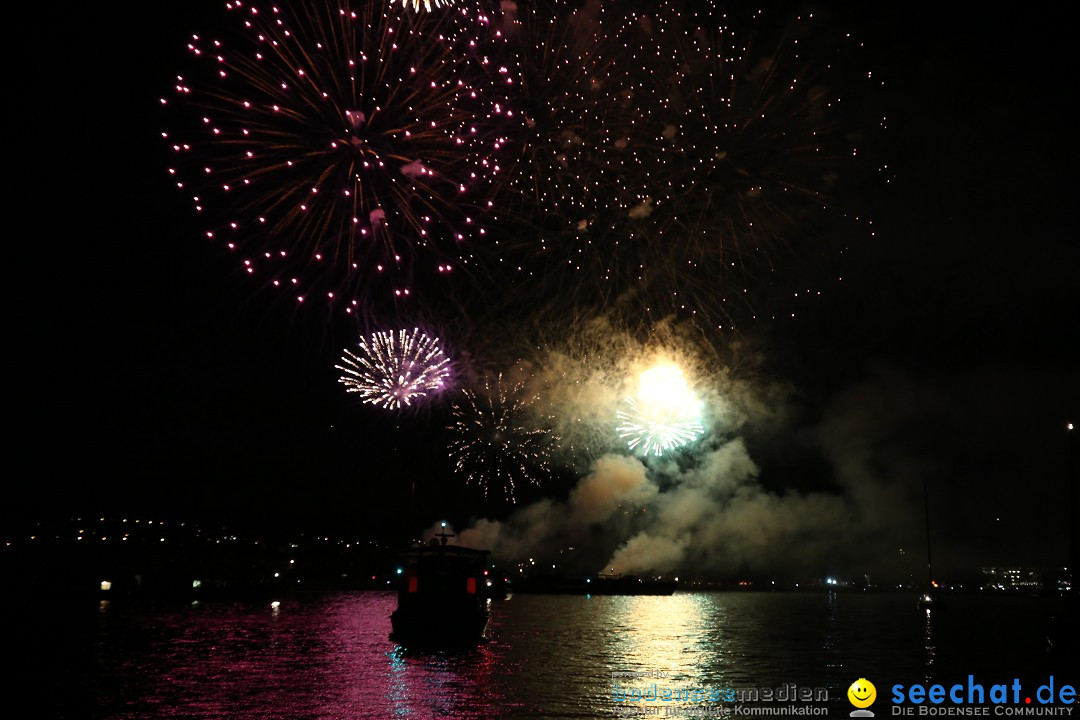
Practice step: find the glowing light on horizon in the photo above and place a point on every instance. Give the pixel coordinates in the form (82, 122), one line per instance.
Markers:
(663, 415)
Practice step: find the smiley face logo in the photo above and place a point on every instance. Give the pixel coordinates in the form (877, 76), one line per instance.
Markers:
(862, 693)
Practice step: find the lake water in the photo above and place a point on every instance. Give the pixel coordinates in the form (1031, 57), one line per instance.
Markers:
(330, 657)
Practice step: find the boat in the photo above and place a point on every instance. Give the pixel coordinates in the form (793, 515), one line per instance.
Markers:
(930, 601)
(442, 598)
(595, 585)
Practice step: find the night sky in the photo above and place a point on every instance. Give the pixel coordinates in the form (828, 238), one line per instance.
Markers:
(150, 376)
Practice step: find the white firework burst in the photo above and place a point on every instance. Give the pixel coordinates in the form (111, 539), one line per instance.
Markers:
(395, 369)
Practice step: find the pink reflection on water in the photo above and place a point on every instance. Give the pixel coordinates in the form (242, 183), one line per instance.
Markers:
(328, 658)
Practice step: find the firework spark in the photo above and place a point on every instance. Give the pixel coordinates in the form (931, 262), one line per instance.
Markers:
(393, 370)
(428, 4)
(707, 135)
(338, 151)
(494, 441)
(664, 415)
(577, 159)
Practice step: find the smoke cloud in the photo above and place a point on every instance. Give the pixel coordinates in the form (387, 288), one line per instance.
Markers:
(706, 510)
(779, 486)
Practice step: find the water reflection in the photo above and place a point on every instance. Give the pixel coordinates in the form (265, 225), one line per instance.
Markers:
(548, 656)
(453, 683)
(929, 647)
(296, 660)
(660, 633)
(832, 642)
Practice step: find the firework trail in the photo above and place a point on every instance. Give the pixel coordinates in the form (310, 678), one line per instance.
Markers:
(341, 153)
(394, 370)
(494, 441)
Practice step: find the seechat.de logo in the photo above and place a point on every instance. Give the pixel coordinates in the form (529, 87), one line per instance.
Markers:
(862, 694)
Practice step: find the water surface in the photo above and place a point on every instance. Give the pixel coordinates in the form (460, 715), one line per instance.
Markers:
(548, 656)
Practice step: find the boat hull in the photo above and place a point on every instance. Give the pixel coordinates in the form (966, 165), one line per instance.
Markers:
(434, 626)
(441, 598)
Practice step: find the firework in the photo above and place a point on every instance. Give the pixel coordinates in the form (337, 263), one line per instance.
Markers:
(664, 415)
(575, 158)
(428, 4)
(393, 370)
(667, 160)
(745, 128)
(340, 152)
(574, 166)
(495, 443)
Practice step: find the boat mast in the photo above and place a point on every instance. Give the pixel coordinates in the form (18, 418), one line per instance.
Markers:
(443, 535)
(929, 557)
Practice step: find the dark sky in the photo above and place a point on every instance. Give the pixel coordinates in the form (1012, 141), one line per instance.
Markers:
(148, 375)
